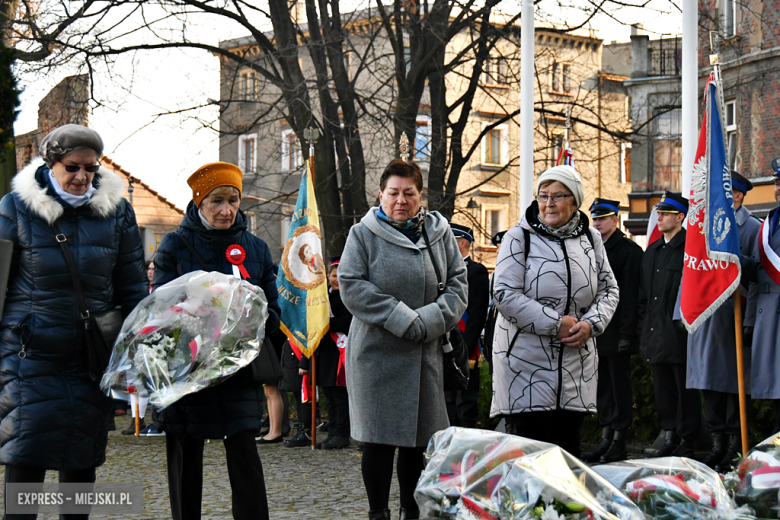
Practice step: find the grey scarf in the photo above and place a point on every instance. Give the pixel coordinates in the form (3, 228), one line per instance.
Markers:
(565, 231)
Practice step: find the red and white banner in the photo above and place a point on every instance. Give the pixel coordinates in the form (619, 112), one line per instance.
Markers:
(769, 259)
(653, 233)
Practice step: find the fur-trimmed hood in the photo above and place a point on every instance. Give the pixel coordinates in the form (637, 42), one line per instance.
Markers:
(104, 203)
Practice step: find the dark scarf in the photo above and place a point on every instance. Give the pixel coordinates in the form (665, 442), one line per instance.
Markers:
(411, 229)
(576, 226)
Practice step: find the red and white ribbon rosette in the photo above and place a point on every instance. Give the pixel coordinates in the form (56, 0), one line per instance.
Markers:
(236, 256)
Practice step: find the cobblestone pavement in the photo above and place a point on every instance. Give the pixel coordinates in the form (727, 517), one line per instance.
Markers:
(301, 483)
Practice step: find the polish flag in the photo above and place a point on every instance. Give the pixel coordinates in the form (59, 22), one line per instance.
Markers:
(652, 227)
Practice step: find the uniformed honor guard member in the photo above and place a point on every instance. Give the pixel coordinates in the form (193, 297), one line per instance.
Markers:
(462, 407)
(663, 341)
(712, 359)
(614, 397)
(764, 307)
(490, 324)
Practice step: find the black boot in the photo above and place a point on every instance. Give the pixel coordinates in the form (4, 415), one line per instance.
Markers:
(606, 441)
(670, 444)
(379, 514)
(130, 430)
(685, 449)
(409, 514)
(301, 438)
(617, 450)
(729, 460)
(718, 451)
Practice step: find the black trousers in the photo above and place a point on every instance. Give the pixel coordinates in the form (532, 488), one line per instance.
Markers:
(338, 410)
(561, 427)
(245, 471)
(722, 410)
(613, 394)
(679, 408)
(18, 474)
(463, 405)
(377, 469)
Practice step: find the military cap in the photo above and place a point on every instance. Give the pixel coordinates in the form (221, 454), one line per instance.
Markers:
(498, 238)
(740, 183)
(604, 208)
(672, 202)
(776, 168)
(462, 232)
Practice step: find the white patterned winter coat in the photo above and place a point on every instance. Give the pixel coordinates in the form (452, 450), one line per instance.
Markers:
(396, 393)
(532, 369)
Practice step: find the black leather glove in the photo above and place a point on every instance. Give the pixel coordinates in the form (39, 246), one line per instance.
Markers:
(624, 346)
(747, 336)
(680, 325)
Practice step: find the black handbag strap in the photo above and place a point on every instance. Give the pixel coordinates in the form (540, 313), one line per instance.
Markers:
(195, 254)
(440, 285)
(74, 274)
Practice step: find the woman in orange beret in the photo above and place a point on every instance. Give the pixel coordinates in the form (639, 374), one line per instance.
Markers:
(213, 236)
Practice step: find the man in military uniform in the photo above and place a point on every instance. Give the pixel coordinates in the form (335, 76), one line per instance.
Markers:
(614, 398)
(462, 406)
(663, 341)
(712, 359)
(763, 315)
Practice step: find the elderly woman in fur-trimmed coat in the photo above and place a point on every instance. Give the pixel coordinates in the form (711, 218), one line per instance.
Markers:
(52, 415)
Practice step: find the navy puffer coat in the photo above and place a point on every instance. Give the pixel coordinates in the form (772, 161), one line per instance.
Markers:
(51, 414)
(236, 405)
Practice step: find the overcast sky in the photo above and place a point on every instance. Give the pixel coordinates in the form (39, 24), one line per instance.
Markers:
(164, 150)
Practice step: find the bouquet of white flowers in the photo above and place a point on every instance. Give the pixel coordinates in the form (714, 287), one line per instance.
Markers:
(190, 334)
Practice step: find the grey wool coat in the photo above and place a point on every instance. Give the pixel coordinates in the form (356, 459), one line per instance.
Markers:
(712, 351)
(395, 385)
(764, 314)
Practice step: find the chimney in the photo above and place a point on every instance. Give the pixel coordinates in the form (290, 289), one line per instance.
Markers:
(637, 29)
(640, 56)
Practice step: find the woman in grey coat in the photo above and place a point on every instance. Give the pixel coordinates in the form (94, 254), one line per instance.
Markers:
(394, 357)
(555, 291)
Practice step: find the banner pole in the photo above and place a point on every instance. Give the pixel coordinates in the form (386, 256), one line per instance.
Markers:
(313, 401)
(740, 370)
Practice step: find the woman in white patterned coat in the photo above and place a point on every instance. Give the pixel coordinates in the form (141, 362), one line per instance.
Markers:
(555, 292)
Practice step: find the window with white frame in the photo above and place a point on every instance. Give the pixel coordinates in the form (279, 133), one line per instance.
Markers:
(252, 222)
(422, 139)
(556, 143)
(555, 84)
(494, 218)
(496, 71)
(495, 145)
(625, 162)
(247, 82)
(730, 12)
(247, 153)
(667, 149)
(292, 156)
(731, 134)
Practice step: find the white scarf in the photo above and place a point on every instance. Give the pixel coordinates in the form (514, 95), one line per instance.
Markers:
(74, 200)
(205, 222)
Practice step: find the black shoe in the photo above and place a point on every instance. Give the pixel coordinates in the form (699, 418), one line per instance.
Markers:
(130, 430)
(301, 439)
(335, 443)
(718, 451)
(670, 444)
(617, 450)
(731, 457)
(685, 449)
(263, 440)
(379, 514)
(409, 514)
(595, 454)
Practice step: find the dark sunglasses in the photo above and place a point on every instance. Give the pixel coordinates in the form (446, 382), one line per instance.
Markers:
(73, 168)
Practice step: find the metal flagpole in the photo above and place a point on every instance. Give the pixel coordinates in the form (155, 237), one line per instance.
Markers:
(690, 79)
(311, 135)
(743, 423)
(527, 105)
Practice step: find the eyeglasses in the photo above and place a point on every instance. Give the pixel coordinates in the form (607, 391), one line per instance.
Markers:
(74, 168)
(558, 197)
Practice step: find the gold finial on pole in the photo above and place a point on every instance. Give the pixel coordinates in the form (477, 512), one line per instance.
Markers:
(403, 146)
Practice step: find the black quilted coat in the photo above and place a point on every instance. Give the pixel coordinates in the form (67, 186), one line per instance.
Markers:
(236, 405)
(51, 414)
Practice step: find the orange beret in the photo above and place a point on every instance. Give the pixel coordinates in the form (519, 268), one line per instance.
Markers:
(213, 175)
